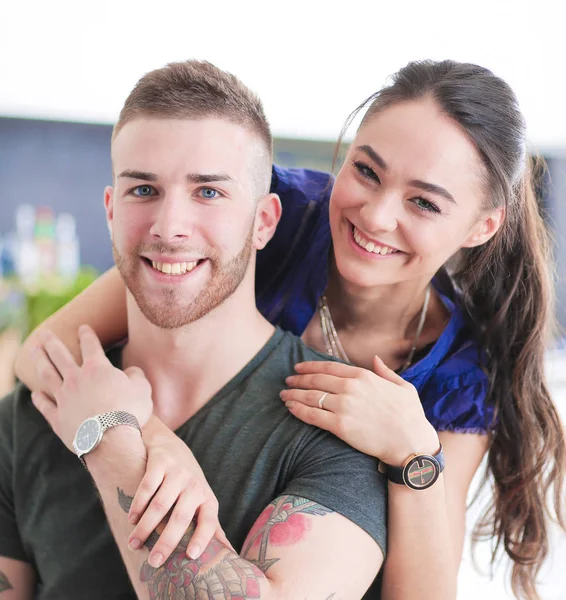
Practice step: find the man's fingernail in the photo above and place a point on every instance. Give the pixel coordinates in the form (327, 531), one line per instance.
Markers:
(156, 559)
(134, 544)
(194, 551)
(134, 518)
(289, 404)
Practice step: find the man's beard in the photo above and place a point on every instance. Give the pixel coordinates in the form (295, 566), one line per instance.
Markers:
(170, 312)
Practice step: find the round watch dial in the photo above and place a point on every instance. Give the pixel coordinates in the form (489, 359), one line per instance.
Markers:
(87, 435)
(421, 472)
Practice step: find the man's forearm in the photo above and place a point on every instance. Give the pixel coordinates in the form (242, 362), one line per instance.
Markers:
(117, 467)
(17, 580)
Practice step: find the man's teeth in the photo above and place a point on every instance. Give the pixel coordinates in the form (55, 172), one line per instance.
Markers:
(174, 268)
(371, 246)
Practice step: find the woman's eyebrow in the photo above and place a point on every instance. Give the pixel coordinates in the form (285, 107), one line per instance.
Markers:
(433, 189)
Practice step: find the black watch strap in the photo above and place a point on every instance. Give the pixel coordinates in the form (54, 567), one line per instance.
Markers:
(419, 472)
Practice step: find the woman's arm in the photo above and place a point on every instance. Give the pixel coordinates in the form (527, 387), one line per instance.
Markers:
(381, 414)
(427, 527)
(102, 306)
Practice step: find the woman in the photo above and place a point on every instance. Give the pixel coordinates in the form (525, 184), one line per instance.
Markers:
(438, 169)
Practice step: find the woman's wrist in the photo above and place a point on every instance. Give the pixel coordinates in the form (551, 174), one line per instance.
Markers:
(418, 442)
(152, 429)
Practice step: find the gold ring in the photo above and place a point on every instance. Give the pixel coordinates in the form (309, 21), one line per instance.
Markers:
(321, 400)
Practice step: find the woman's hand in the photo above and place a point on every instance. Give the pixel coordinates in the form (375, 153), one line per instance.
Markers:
(378, 413)
(174, 483)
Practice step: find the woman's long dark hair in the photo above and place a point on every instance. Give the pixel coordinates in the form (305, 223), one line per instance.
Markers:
(507, 292)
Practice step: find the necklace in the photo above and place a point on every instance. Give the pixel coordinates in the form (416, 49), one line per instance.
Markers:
(332, 341)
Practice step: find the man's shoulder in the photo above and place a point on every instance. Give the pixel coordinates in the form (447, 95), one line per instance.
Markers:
(19, 397)
(10, 406)
(295, 347)
(265, 376)
(18, 416)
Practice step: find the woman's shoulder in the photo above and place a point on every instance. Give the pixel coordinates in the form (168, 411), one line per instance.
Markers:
(453, 383)
(457, 358)
(301, 186)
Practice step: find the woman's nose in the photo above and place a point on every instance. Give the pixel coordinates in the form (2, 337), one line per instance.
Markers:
(380, 214)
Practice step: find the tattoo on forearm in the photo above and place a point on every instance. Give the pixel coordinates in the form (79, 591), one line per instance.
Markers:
(217, 574)
(5, 584)
(288, 510)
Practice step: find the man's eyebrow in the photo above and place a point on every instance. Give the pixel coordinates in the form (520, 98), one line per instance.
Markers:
(432, 189)
(197, 178)
(366, 149)
(143, 175)
(208, 177)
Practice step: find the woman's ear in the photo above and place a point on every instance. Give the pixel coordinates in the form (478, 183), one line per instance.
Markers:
(268, 213)
(485, 228)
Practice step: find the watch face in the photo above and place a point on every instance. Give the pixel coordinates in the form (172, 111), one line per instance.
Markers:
(87, 436)
(421, 472)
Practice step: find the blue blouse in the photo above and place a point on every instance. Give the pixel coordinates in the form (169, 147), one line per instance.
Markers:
(292, 274)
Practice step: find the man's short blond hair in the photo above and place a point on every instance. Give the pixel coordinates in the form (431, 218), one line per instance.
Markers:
(198, 90)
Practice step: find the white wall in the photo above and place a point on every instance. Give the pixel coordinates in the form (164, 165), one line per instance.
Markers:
(311, 64)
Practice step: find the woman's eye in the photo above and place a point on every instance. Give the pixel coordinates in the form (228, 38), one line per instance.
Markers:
(143, 191)
(209, 193)
(366, 171)
(426, 205)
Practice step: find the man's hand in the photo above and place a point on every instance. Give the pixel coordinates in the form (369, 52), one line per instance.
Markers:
(76, 393)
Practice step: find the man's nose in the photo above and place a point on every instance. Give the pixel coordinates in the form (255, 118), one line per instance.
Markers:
(174, 218)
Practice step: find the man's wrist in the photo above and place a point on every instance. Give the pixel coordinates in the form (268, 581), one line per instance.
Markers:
(120, 446)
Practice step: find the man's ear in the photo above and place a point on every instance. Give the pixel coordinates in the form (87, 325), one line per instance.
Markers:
(485, 228)
(268, 213)
(109, 206)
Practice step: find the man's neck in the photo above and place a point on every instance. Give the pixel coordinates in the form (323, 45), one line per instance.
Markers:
(187, 366)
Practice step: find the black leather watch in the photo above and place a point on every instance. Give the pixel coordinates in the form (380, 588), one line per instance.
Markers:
(419, 472)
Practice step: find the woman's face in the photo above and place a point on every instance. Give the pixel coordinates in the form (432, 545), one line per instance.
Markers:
(408, 197)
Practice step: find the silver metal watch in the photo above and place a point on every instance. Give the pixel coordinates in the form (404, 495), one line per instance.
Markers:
(91, 430)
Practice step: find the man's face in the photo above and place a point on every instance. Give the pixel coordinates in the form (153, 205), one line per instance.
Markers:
(182, 214)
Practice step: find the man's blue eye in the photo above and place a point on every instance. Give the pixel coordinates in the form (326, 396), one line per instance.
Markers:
(143, 190)
(209, 193)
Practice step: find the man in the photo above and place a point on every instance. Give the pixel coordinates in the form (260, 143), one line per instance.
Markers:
(189, 208)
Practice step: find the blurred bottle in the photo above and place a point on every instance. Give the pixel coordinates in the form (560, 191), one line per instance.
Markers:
(45, 240)
(12, 298)
(26, 252)
(8, 255)
(68, 248)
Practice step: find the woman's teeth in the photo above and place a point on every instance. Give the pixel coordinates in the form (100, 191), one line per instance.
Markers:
(372, 246)
(174, 268)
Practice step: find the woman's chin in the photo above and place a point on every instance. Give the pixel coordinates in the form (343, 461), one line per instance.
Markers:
(364, 277)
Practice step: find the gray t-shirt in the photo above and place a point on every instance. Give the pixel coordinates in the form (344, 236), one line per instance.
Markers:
(249, 446)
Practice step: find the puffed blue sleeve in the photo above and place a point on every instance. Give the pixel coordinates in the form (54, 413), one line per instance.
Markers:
(458, 403)
(291, 271)
(304, 197)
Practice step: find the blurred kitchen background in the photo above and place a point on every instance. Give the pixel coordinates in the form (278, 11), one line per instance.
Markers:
(66, 68)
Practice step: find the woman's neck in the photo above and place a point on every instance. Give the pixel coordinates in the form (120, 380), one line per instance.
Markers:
(393, 309)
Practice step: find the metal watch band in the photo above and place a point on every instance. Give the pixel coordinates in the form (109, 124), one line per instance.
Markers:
(108, 420)
(118, 417)
(397, 474)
